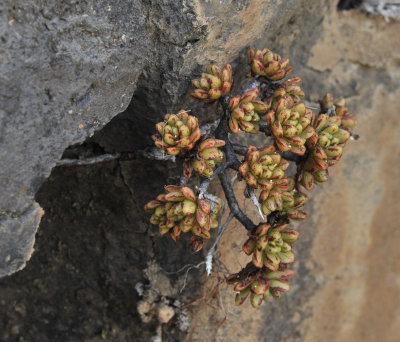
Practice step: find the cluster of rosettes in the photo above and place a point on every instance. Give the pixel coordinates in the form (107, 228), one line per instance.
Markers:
(295, 128)
(289, 90)
(261, 285)
(208, 157)
(177, 133)
(180, 210)
(271, 246)
(326, 146)
(284, 198)
(291, 125)
(271, 250)
(245, 112)
(269, 64)
(213, 84)
(348, 120)
(264, 168)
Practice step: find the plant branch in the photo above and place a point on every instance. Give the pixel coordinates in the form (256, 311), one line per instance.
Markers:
(264, 128)
(277, 218)
(290, 156)
(255, 84)
(150, 152)
(243, 274)
(233, 204)
(206, 183)
(240, 149)
(221, 133)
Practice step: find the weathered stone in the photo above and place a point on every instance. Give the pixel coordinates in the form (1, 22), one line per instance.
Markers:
(95, 243)
(17, 231)
(346, 282)
(67, 69)
(388, 9)
(57, 63)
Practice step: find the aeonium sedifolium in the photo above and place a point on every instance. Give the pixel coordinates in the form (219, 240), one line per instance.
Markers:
(260, 285)
(284, 198)
(268, 64)
(264, 168)
(271, 250)
(213, 84)
(245, 112)
(178, 133)
(179, 210)
(271, 246)
(291, 125)
(208, 156)
(340, 109)
(316, 139)
(332, 131)
(289, 90)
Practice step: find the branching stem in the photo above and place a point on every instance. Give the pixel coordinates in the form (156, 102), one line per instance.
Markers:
(206, 183)
(290, 156)
(233, 204)
(232, 162)
(240, 149)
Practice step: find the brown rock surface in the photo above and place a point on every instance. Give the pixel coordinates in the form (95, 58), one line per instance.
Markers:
(347, 284)
(358, 212)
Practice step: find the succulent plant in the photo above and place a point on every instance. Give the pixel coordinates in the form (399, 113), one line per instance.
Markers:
(289, 90)
(271, 246)
(269, 64)
(261, 285)
(177, 133)
(338, 108)
(326, 149)
(327, 102)
(348, 120)
(284, 198)
(317, 140)
(180, 210)
(264, 168)
(291, 126)
(245, 112)
(213, 84)
(208, 157)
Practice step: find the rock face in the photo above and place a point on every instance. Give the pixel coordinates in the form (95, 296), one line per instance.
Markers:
(68, 69)
(346, 286)
(57, 63)
(388, 9)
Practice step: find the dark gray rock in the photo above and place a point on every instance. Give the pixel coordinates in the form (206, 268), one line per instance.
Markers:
(92, 247)
(57, 63)
(17, 238)
(67, 68)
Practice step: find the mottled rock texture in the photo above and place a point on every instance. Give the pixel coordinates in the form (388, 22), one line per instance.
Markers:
(70, 68)
(388, 9)
(66, 69)
(347, 286)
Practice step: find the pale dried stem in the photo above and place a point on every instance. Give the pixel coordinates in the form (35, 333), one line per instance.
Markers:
(213, 250)
(254, 199)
